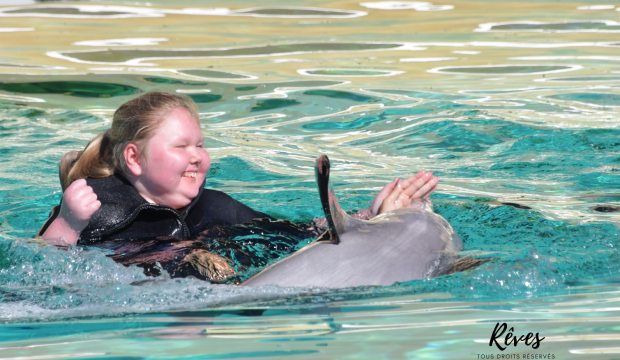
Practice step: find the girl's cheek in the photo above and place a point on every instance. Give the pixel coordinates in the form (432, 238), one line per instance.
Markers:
(206, 161)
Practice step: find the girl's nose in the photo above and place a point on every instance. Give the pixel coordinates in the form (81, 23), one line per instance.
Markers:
(196, 157)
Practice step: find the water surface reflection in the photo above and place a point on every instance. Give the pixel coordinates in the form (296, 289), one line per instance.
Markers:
(528, 160)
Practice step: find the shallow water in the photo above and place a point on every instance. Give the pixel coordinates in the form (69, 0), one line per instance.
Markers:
(513, 104)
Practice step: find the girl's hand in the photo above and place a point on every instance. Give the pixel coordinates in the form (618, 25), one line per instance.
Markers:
(79, 203)
(399, 194)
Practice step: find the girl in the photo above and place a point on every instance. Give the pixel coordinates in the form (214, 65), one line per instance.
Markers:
(144, 177)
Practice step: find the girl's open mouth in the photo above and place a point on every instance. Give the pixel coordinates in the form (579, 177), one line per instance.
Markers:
(189, 174)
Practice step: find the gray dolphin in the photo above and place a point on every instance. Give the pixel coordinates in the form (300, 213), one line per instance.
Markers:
(396, 246)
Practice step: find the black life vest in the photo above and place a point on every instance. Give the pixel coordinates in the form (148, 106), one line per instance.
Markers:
(125, 214)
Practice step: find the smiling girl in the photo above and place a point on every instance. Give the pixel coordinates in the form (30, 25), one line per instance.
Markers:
(145, 177)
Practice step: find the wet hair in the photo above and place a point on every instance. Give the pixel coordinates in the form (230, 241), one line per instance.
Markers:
(135, 122)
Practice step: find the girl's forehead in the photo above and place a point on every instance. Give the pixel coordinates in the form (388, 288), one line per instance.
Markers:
(179, 119)
(179, 112)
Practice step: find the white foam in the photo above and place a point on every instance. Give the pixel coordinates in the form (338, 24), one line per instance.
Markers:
(406, 5)
(88, 12)
(592, 57)
(199, 11)
(454, 70)
(17, 2)
(209, 115)
(276, 94)
(280, 61)
(583, 79)
(193, 91)
(549, 45)
(122, 42)
(428, 59)
(596, 7)
(466, 52)
(343, 14)
(436, 8)
(307, 72)
(6, 30)
(503, 91)
(20, 98)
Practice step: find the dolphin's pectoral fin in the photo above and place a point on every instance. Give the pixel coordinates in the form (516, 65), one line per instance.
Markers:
(466, 263)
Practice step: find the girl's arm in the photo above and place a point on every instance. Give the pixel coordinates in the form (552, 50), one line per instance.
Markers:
(79, 203)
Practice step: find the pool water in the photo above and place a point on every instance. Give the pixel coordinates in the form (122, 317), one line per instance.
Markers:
(515, 105)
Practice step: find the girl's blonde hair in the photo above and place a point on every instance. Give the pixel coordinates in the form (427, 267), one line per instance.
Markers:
(134, 122)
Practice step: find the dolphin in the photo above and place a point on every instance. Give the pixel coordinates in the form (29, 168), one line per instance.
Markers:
(396, 246)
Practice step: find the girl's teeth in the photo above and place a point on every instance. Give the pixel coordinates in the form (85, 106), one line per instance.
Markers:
(189, 174)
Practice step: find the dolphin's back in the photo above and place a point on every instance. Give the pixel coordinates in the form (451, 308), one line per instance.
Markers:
(399, 246)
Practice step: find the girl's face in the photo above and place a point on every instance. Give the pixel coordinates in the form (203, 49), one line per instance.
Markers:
(176, 162)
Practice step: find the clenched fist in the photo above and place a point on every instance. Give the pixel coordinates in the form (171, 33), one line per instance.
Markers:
(79, 203)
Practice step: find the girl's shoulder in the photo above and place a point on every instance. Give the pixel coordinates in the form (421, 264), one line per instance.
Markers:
(115, 189)
(215, 206)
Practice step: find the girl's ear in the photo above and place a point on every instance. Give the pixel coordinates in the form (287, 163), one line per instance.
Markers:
(132, 158)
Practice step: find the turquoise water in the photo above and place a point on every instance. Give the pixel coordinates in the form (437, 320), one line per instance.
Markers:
(513, 104)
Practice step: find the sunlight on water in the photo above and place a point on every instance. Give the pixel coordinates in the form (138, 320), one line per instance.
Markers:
(515, 106)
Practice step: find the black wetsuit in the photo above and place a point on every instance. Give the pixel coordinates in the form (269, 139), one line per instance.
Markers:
(124, 214)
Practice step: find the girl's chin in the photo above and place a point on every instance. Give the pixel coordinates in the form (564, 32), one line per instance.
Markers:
(181, 202)
(190, 194)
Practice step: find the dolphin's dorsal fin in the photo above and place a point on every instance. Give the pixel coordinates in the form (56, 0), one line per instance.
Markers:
(335, 216)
